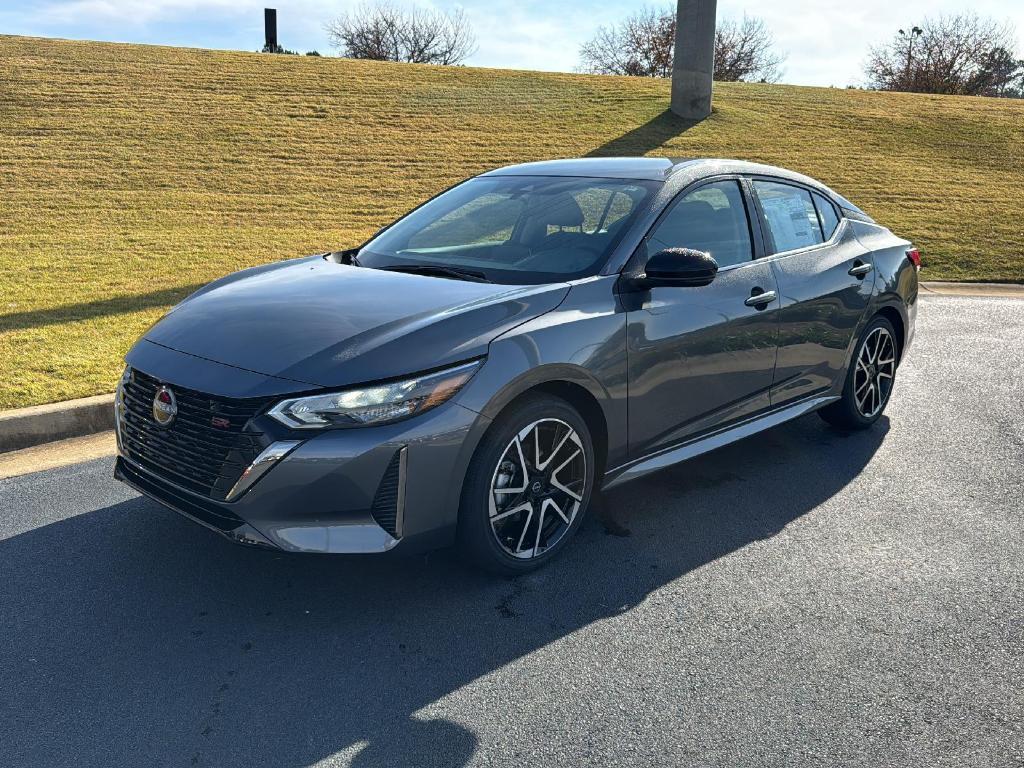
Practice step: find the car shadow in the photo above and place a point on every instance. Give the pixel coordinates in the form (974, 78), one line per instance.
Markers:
(133, 637)
(653, 134)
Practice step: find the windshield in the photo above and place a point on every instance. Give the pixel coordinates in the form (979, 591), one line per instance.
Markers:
(514, 229)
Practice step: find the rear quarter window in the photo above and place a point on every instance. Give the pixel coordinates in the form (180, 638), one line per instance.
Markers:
(827, 214)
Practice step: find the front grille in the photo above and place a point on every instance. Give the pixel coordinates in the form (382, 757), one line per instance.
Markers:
(191, 453)
(206, 512)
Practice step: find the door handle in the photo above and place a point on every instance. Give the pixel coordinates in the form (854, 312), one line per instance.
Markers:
(759, 299)
(859, 269)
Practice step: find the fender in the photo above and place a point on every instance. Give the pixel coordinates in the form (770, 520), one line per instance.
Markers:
(473, 398)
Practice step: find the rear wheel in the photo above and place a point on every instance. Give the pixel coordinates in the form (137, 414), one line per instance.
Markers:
(869, 381)
(528, 487)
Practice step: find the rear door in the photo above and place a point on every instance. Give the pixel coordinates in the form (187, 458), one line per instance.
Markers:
(825, 279)
(702, 357)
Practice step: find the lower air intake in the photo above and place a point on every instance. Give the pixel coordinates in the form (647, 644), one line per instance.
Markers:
(387, 501)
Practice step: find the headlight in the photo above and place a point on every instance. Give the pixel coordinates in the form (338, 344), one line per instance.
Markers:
(376, 404)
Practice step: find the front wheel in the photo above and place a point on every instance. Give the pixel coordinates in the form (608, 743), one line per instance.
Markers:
(528, 487)
(869, 381)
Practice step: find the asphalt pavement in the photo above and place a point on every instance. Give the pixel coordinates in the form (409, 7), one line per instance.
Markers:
(806, 597)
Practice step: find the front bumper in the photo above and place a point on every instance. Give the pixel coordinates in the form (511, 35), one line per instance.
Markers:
(351, 491)
(206, 513)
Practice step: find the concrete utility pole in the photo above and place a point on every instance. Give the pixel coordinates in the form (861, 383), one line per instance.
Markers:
(694, 63)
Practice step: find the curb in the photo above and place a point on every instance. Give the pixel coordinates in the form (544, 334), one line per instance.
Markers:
(27, 427)
(973, 289)
(60, 453)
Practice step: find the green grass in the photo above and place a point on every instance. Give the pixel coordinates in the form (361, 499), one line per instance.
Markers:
(130, 174)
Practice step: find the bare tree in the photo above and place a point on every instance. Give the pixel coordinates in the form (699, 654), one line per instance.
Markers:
(642, 46)
(387, 32)
(964, 54)
(1001, 74)
(744, 51)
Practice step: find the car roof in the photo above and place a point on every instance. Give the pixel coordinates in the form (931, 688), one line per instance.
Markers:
(640, 168)
(662, 169)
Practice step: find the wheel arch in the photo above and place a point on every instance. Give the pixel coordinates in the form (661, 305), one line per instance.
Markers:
(576, 387)
(584, 402)
(889, 306)
(899, 324)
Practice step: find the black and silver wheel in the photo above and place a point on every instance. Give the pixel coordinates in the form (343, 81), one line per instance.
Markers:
(875, 372)
(528, 487)
(869, 381)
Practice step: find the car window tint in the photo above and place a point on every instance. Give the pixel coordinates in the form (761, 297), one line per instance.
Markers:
(789, 215)
(827, 212)
(712, 218)
(602, 207)
(486, 219)
(592, 203)
(515, 229)
(621, 206)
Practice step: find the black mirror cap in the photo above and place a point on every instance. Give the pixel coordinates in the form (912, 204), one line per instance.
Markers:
(679, 267)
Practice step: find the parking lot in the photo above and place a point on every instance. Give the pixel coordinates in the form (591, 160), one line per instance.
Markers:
(806, 597)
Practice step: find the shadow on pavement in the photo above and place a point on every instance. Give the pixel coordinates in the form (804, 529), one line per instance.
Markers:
(132, 637)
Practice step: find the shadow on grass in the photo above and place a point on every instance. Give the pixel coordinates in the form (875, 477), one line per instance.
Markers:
(132, 637)
(116, 305)
(651, 135)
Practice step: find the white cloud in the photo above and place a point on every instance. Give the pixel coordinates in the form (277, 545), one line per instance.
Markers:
(526, 36)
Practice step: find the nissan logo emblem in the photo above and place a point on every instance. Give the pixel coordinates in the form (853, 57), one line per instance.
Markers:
(165, 407)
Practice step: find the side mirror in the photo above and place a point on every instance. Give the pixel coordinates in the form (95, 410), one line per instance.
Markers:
(679, 267)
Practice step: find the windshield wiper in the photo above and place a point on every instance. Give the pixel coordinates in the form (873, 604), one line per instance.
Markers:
(440, 270)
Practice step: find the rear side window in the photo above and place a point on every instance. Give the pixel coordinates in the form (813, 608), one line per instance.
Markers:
(712, 218)
(789, 215)
(827, 213)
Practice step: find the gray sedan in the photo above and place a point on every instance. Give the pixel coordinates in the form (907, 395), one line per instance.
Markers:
(479, 369)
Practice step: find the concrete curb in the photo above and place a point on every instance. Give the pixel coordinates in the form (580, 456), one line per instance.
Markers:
(973, 289)
(26, 427)
(60, 453)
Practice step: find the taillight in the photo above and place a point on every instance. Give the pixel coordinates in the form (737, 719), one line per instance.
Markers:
(915, 257)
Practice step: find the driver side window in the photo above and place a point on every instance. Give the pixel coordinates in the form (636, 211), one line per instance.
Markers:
(712, 218)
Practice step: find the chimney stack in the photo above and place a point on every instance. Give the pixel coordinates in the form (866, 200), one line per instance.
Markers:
(270, 25)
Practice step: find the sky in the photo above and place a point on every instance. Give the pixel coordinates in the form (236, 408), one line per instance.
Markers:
(825, 41)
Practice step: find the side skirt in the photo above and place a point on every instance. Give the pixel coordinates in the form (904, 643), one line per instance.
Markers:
(676, 454)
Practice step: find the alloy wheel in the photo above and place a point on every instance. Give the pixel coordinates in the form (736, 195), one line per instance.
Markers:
(875, 373)
(537, 488)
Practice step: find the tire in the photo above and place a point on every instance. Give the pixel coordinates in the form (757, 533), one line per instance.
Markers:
(494, 536)
(869, 380)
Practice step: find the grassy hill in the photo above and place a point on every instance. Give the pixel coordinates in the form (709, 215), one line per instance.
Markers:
(131, 174)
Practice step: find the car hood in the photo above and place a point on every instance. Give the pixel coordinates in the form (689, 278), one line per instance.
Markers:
(325, 324)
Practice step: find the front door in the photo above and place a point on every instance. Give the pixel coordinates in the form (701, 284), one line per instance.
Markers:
(825, 283)
(702, 358)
